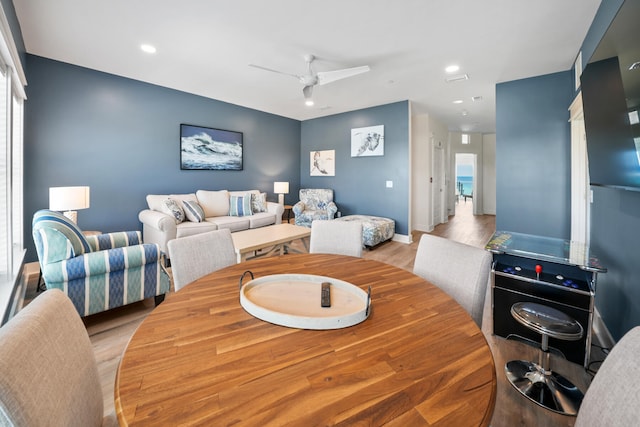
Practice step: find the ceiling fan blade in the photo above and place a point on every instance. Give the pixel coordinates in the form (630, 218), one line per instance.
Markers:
(325, 77)
(307, 91)
(273, 71)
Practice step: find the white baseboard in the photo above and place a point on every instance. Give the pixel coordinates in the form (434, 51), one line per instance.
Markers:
(402, 238)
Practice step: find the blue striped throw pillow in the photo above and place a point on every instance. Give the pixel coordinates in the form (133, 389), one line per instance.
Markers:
(240, 206)
(193, 211)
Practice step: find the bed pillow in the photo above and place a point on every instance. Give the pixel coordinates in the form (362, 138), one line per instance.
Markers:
(193, 211)
(240, 205)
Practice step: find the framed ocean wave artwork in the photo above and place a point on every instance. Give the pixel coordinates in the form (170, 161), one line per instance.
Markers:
(204, 148)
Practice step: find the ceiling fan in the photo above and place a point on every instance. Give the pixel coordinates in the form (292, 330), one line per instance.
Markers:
(312, 78)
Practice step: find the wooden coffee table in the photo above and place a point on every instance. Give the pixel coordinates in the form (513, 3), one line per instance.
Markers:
(276, 237)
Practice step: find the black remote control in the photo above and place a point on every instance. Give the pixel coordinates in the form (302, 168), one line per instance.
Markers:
(325, 296)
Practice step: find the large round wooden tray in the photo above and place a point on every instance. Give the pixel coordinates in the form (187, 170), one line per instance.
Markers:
(293, 300)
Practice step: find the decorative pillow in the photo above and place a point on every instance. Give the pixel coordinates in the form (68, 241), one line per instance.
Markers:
(240, 206)
(193, 211)
(258, 202)
(173, 208)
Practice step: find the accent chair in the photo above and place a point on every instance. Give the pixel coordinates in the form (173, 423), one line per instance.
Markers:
(315, 203)
(97, 272)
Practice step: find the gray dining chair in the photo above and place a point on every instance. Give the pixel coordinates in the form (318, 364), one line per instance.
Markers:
(462, 271)
(336, 237)
(193, 257)
(612, 398)
(48, 371)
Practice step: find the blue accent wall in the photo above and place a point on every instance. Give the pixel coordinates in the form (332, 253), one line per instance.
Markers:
(533, 155)
(121, 137)
(615, 224)
(359, 183)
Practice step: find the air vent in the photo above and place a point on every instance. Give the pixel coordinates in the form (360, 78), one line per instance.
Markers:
(457, 78)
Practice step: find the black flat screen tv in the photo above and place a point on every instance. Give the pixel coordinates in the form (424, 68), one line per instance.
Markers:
(612, 142)
(611, 99)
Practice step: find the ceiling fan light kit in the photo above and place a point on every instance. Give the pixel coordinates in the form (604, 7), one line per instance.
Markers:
(312, 78)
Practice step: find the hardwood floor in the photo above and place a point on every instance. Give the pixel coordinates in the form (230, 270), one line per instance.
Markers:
(110, 331)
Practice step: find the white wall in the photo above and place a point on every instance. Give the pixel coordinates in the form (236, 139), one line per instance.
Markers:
(425, 131)
(489, 173)
(420, 173)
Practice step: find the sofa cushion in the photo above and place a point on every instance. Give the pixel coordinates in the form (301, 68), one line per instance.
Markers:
(214, 203)
(233, 223)
(262, 219)
(193, 211)
(240, 205)
(258, 202)
(171, 207)
(189, 228)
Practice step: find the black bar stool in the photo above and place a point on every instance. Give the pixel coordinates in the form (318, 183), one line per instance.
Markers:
(537, 381)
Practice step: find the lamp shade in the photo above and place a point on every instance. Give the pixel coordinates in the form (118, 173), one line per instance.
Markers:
(68, 198)
(281, 187)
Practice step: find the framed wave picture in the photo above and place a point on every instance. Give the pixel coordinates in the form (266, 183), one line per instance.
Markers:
(203, 148)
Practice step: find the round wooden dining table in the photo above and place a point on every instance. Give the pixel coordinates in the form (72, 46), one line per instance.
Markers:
(200, 359)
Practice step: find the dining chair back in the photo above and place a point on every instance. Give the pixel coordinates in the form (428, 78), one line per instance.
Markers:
(612, 398)
(193, 257)
(336, 237)
(461, 270)
(48, 371)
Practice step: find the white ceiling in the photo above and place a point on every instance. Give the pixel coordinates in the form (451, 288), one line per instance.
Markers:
(204, 47)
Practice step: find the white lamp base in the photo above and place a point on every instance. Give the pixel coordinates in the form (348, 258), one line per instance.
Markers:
(281, 199)
(72, 215)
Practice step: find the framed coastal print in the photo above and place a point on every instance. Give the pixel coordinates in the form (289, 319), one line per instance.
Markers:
(203, 148)
(322, 163)
(367, 141)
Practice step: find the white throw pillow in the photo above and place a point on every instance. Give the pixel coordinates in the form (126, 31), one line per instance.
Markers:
(214, 203)
(259, 202)
(171, 207)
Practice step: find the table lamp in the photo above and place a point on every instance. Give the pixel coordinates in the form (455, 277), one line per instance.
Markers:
(281, 188)
(68, 199)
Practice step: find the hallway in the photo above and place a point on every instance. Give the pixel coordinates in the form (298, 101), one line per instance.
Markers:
(464, 227)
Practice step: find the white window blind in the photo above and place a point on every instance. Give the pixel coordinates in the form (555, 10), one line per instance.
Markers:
(5, 179)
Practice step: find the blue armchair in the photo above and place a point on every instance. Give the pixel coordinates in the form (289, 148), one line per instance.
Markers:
(97, 272)
(315, 203)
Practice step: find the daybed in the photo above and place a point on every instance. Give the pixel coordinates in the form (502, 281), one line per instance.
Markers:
(173, 216)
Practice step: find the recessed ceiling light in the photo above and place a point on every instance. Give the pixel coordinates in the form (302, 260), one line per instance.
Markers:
(308, 102)
(452, 68)
(476, 98)
(458, 101)
(148, 48)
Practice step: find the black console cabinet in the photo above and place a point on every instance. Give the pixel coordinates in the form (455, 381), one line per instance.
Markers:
(566, 280)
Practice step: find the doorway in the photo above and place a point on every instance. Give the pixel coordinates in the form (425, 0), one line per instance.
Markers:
(465, 178)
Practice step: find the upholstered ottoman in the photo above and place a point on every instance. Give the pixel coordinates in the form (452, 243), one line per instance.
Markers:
(375, 229)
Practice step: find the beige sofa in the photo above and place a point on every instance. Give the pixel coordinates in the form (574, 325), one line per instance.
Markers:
(162, 221)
